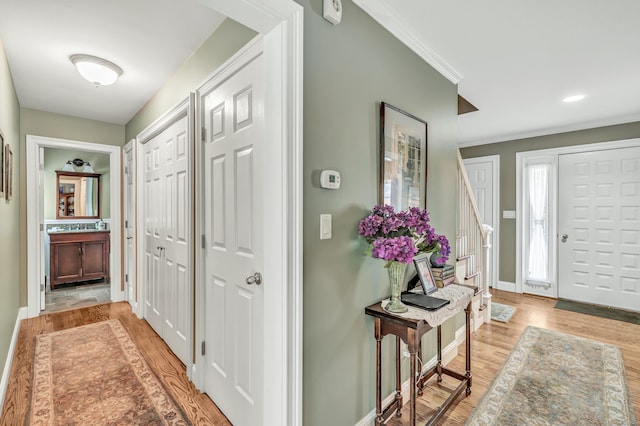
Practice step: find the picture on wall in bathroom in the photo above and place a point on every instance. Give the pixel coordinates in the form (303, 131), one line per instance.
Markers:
(8, 169)
(403, 159)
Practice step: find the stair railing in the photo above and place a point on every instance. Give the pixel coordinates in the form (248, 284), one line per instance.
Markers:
(473, 245)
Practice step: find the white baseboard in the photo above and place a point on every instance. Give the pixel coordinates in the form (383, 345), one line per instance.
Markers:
(507, 286)
(22, 314)
(448, 354)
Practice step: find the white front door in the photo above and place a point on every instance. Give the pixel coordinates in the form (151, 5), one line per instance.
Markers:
(482, 173)
(599, 227)
(233, 161)
(167, 229)
(129, 223)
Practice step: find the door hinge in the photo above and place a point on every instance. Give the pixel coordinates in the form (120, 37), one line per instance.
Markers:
(204, 134)
(42, 227)
(126, 223)
(204, 241)
(203, 350)
(126, 170)
(41, 287)
(126, 278)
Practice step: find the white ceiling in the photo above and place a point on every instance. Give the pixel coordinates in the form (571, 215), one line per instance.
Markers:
(148, 39)
(519, 59)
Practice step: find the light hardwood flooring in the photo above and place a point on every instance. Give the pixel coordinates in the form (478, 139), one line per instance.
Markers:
(490, 346)
(493, 342)
(198, 407)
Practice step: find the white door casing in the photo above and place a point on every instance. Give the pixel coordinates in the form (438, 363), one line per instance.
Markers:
(129, 210)
(168, 234)
(233, 155)
(599, 227)
(484, 177)
(35, 214)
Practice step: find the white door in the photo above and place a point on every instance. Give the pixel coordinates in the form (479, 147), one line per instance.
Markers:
(233, 158)
(482, 173)
(41, 245)
(129, 223)
(167, 229)
(599, 227)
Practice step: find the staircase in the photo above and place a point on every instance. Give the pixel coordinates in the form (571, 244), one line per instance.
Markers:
(473, 249)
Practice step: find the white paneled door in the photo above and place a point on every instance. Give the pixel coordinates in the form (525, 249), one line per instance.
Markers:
(233, 159)
(129, 222)
(599, 227)
(482, 173)
(167, 218)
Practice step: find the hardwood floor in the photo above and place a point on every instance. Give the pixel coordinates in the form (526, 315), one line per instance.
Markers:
(197, 406)
(493, 342)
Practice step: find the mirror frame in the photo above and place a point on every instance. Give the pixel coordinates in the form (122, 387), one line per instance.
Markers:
(75, 174)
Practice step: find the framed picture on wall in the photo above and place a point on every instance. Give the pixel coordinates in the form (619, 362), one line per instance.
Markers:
(8, 172)
(1, 164)
(403, 159)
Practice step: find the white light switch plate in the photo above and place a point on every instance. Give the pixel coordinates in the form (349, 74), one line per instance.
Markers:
(508, 214)
(325, 226)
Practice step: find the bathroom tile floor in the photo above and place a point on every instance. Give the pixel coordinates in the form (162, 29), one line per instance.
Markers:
(72, 296)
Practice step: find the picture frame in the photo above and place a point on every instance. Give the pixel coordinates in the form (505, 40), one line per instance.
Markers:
(8, 169)
(403, 159)
(423, 269)
(2, 184)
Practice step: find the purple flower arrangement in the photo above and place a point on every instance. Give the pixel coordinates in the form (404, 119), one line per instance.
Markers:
(399, 236)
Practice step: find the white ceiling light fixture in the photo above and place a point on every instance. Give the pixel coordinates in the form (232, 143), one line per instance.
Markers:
(574, 98)
(96, 70)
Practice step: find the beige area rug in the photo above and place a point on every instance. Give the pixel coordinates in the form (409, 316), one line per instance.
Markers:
(95, 375)
(551, 378)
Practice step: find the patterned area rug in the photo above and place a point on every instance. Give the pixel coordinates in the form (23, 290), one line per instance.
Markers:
(552, 378)
(93, 375)
(501, 313)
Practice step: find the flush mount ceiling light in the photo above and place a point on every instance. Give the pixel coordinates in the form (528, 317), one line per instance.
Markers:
(96, 70)
(574, 98)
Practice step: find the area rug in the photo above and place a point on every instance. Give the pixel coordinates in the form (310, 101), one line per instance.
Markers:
(551, 378)
(501, 313)
(93, 375)
(599, 311)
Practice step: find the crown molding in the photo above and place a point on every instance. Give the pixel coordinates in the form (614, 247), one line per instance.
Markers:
(380, 11)
(575, 127)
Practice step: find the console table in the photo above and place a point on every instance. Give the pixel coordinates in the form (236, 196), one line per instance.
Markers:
(410, 327)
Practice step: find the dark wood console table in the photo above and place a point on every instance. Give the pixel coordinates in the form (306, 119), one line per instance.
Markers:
(411, 331)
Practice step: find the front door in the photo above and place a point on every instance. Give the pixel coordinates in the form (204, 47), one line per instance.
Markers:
(233, 158)
(599, 227)
(167, 227)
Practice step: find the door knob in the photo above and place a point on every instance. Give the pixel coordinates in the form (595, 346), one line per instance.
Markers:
(564, 238)
(254, 279)
(129, 238)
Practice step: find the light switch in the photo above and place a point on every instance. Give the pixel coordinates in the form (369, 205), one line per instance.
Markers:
(508, 214)
(325, 226)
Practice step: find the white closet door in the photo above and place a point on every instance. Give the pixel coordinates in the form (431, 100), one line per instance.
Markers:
(167, 230)
(599, 227)
(233, 167)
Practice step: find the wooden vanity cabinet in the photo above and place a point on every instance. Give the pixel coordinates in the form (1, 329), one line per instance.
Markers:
(78, 256)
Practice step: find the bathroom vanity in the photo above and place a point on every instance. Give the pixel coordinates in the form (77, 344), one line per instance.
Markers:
(78, 255)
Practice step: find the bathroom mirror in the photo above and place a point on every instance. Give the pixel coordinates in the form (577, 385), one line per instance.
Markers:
(78, 195)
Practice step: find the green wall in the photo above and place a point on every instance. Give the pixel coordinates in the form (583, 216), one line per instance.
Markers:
(42, 123)
(10, 240)
(55, 159)
(226, 40)
(348, 69)
(507, 152)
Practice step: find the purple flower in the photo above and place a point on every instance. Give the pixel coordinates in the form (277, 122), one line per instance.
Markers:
(400, 249)
(400, 235)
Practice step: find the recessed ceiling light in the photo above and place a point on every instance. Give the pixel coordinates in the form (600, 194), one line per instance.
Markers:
(96, 70)
(574, 98)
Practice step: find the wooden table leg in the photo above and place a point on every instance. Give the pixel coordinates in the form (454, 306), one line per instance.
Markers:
(439, 364)
(398, 378)
(378, 335)
(467, 312)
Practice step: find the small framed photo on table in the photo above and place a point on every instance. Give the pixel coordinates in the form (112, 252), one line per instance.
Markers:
(423, 269)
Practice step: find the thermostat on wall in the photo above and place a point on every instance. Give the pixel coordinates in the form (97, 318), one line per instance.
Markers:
(330, 179)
